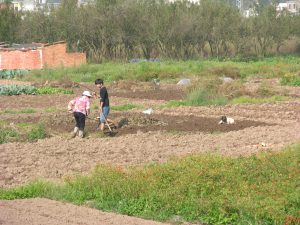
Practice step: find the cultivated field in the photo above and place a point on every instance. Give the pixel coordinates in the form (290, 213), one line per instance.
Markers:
(169, 132)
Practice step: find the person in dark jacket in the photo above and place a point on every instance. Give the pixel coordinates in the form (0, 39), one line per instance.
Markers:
(103, 104)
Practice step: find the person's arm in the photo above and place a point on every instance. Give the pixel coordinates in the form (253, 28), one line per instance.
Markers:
(87, 108)
(71, 105)
(102, 96)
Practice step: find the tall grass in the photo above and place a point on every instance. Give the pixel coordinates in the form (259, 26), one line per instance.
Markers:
(168, 70)
(262, 189)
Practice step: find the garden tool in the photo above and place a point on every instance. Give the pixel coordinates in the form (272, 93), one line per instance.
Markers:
(93, 91)
(110, 130)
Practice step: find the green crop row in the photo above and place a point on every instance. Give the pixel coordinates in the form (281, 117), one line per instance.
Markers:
(17, 89)
(31, 90)
(9, 74)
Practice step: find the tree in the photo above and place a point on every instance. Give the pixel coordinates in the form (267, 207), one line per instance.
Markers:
(9, 20)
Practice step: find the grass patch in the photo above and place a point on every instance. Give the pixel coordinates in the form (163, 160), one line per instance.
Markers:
(262, 189)
(47, 90)
(291, 80)
(6, 134)
(54, 109)
(21, 132)
(24, 125)
(37, 132)
(170, 70)
(205, 97)
(247, 99)
(125, 107)
(22, 111)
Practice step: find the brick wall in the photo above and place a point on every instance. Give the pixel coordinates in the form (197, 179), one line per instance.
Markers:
(56, 56)
(11, 60)
(51, 56)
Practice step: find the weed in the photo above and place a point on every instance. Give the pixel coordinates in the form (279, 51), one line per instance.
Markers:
(53, 109)
(265, 90)
(37, 132)
(247, 99)
(51, 90)
(28, 110)
(24, 111)
(227, 71)
(23, 125)
(291, 80)
(6, 134)
(125, 107)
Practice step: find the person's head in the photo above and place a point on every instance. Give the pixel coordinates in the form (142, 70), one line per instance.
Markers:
(99, 83)
(87, 93)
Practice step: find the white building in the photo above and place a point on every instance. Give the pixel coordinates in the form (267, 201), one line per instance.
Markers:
(292, 6)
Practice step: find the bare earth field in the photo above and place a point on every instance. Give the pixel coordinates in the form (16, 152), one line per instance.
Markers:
(166, 133)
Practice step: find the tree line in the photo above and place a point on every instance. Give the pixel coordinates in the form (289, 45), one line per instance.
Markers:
(125, 29)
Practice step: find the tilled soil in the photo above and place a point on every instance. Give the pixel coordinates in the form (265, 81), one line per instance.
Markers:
(146, 139)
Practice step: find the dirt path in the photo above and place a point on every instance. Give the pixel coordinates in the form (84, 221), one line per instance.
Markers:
(48, 212)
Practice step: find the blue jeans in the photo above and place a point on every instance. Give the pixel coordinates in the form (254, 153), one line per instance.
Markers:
(104, 114)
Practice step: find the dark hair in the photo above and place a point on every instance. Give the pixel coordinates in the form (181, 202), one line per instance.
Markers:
(98, 81)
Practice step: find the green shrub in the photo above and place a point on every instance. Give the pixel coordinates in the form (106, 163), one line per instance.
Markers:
(37, 132)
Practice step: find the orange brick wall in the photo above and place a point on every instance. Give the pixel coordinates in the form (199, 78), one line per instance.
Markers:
(56, 56)
(11, 60)
(51, 56)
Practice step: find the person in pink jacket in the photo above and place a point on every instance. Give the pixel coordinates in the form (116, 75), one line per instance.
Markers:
(80, 107)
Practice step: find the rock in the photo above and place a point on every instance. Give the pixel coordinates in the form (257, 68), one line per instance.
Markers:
(148, 111)
(184, 82)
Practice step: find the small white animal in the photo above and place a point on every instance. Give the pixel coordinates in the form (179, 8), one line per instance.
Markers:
(226, 120)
